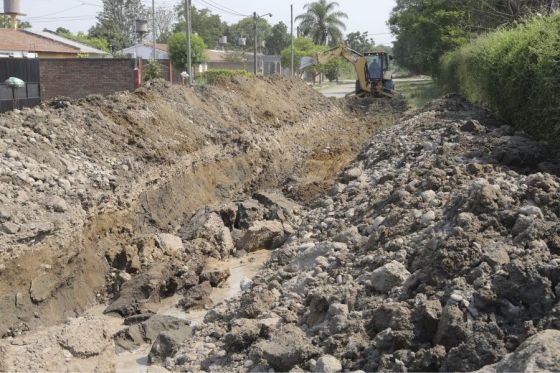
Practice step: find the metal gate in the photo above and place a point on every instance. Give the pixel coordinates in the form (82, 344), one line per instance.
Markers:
(26, 70)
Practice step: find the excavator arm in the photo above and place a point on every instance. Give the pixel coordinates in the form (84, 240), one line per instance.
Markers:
(356, 59)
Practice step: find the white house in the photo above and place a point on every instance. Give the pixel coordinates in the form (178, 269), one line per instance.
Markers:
(146, 51)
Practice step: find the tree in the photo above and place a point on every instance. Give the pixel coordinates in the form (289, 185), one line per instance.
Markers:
(360, 41)
(303, 47)
(165, 22)
(244, 29)
(178, 49)
(153, 70)
(5, 22)
(425, 30)
(81, 37)
(208, 26)
(279, 39)
(322, 22)
(116, 22)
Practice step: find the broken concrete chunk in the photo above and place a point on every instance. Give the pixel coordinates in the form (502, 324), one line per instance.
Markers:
(267, 234)
(390, 275)
(328, 364)
(170, 244)
(287, 348)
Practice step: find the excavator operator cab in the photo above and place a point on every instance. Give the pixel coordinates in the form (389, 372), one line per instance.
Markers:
(377, 65)
(377, 71)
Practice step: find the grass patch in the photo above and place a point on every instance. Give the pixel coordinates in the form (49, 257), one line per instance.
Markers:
(215, 75)
(418, 92)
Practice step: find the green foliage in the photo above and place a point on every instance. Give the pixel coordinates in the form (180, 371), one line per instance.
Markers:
(244, 29)
(360, 41)
(303, 47)
(116, 22)
(207, 25)
(214, 75)
(279, 39)
(178, 49)
(514, 71)
(6, 23)
(152, 71)
(425, 30)
(81, 37)
(322, 22)
(332, 69)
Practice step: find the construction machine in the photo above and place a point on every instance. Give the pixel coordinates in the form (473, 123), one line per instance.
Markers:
(372, 70)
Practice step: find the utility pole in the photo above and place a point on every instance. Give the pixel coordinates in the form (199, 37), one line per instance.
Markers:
(189, 50)
(292, 34)
(154, 26)
(255, 43)
(255, 18)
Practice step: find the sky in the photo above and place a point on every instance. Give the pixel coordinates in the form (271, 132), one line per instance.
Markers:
(79, 15)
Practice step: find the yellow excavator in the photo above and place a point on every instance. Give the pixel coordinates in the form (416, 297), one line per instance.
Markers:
(372, 70)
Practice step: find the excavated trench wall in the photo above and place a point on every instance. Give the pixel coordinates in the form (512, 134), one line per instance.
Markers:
(109, 171)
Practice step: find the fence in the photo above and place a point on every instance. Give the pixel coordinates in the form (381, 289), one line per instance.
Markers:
(78, 78)
(26, 70)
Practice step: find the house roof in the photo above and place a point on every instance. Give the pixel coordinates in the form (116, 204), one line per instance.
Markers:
(214, 55)
(19, 40)
(159, 46)
(84, 48)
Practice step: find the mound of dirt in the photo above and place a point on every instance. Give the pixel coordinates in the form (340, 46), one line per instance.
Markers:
(438, 249)
(95, 191)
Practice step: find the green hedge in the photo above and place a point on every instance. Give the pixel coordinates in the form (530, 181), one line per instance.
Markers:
(516, 72)
(214, 75)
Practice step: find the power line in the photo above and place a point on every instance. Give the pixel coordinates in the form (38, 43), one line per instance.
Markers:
(225, 7)
(220, 10)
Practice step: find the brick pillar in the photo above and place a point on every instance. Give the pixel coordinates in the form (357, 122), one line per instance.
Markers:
(170, 73)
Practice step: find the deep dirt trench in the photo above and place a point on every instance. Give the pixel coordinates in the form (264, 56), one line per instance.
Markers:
(133, 228)
(113, 181)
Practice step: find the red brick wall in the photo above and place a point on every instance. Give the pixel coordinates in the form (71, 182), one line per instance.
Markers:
(77, 78)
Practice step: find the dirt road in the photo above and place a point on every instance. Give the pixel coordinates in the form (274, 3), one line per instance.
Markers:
(338, 91)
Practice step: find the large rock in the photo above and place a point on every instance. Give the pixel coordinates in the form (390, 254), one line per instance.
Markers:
(243, 333)
(279, 207)
(268, 234)
(328, 364)
(209, 227)
(388, 276)
(214, 274)
(248, 212)
(148, 331)
(170, 244)
(287, 348)
(539, 353)
(43, 286)
(167, 344)
(139, 290)
(85, 337)
(197, 297)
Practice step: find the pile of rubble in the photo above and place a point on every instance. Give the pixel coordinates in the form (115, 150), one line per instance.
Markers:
(439, 249)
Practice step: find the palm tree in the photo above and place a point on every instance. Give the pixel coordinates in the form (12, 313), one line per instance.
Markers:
(322, 22)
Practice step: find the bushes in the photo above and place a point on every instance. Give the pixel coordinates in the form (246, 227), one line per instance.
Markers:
(516, 72)
(212, 76)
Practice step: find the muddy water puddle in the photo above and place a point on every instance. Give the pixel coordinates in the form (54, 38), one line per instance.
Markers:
(244, 268)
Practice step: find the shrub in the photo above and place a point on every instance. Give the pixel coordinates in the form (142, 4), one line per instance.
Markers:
(516, 72)
(153, 70)
(212, 76)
